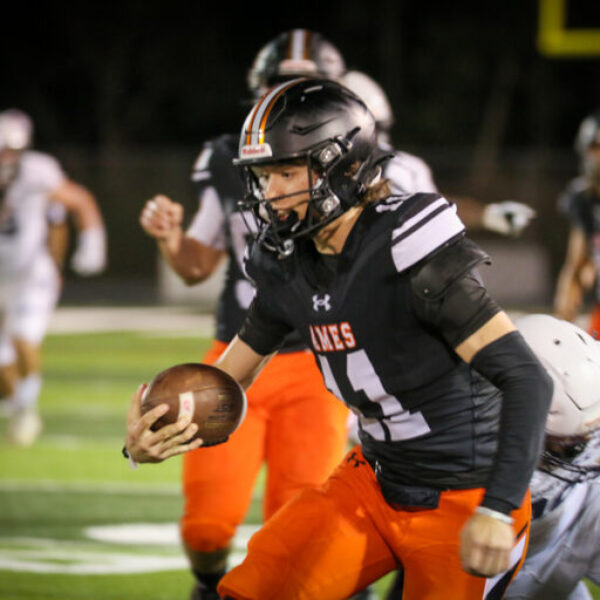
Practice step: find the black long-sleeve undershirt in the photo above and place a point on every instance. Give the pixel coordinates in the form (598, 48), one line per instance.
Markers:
(526, 387)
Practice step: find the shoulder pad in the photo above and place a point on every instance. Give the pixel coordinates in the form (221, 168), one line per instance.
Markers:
(433, 276)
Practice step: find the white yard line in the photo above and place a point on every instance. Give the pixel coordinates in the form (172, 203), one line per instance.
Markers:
(167, 319)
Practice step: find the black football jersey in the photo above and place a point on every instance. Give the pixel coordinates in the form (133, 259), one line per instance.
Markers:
(220, 182)
(425, 416)
(581, 204)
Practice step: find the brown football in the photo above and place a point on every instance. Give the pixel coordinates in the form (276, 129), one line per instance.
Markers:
(214, 400)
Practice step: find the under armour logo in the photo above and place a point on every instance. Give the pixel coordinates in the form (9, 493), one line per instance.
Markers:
(323, 302)
(353, 458)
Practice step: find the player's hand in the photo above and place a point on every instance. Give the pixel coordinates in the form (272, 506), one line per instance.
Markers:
(485, 546)
(145, 445)
(508, 217)
(89, 257)
(161, 217)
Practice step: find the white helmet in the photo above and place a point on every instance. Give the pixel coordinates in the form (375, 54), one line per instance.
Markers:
(16, 129)
(372, 94)
(572, 359)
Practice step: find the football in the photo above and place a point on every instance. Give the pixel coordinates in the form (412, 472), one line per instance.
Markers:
(213, 399)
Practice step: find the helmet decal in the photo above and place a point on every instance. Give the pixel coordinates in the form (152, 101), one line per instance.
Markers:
(255, 132)
(298, 44)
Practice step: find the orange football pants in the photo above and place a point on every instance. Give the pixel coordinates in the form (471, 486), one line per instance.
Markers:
(293, 424)
(594, 325)
(330, 542)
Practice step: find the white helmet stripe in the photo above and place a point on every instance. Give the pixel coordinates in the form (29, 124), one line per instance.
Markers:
(298, 44)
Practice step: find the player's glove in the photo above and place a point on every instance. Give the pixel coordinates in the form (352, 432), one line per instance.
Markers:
(508, 217)
(89, 257)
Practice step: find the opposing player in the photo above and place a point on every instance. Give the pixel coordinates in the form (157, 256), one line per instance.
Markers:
(384, 291)
(293, 425)
(409, 173)
(565, 489)
(32, 185)
(579, 202)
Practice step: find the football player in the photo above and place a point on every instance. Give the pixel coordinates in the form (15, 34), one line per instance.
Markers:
(565, 489)
(580, 202)
(32, 186)
(409, 173)
(385, 292)
(293, 425)
(564, 545)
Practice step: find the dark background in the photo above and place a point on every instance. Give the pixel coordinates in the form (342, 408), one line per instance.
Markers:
(125, 94)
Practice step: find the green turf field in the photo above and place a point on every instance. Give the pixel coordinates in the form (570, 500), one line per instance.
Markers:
(75, 521)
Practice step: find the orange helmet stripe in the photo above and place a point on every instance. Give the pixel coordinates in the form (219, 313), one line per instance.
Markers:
(255, 134)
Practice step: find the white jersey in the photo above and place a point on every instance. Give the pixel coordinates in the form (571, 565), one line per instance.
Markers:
(564, 546)
(24, 214)
(408, 173)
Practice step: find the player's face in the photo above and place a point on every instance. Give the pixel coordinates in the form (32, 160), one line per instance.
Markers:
(287, 186)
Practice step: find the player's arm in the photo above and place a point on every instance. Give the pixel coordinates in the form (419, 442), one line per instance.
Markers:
(259, 338)
(570, 284)
(193, 261)
(58, 233)
(242, 362)
(507, 217)
(450, 296)
(90, 253)
(58, 242)
(245, 356)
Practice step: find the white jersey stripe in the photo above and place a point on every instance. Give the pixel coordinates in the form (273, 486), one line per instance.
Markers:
(433, 233)
(419, 217)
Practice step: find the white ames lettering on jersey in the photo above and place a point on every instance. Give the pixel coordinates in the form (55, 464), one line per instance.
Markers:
(400, 423)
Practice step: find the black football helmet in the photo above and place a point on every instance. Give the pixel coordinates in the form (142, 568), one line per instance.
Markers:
(588, 135)
(324, 125)
(292, 54)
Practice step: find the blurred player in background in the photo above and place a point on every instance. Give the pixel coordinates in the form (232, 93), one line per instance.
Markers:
(564, 545)
(293, 424)
(35, 195)
(409, 173)
(580, 202)
(383, 290)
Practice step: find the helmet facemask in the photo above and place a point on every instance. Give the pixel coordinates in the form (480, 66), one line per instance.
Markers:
(328, 169)
(558, 458)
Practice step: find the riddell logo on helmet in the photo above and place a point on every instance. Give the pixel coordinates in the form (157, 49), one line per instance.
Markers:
(256, 151)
